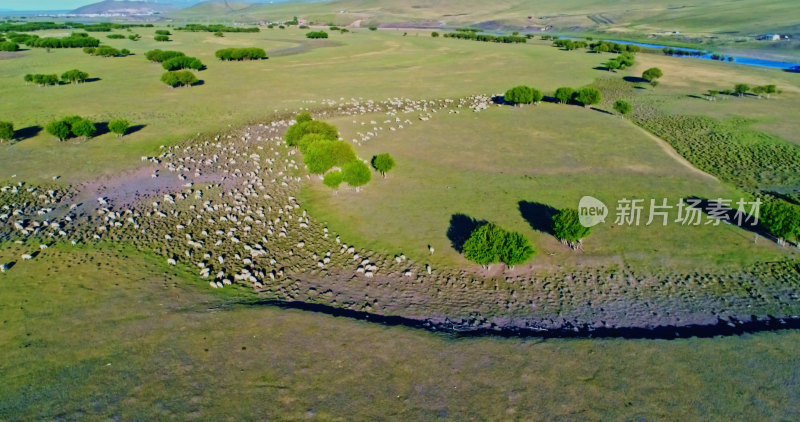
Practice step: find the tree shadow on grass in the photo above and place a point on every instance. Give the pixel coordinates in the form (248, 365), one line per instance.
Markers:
(102, 128)
(635, 79)
(134, 129)
(539, 216)
(27, 132)
(89, 80)
(695, 96)
(602, 111)
(461, 226)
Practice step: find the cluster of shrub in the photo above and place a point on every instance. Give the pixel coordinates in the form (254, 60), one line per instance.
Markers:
(325, 154)
(193, 27)
(71, 76)
(174, 60)
(106, 51)
(489, 243)
(523, 94)
(239, 54)
(317, 34)
(115, 36)
(620, 62)
(742, 89)
(162, 35)
(72, 126)
(471, 35)
(76, 40)
(8, 45)
(178, 78)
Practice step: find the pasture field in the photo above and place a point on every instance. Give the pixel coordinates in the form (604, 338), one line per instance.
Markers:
(363, 64)
(97, 333)
(506, 164)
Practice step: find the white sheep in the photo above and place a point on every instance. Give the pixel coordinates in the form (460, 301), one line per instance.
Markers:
(26, 257)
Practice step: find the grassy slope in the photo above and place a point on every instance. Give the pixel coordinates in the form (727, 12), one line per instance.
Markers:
(693, 16)
(144, 345)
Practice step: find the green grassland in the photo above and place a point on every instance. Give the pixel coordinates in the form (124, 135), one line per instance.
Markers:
(107, 333)
(363, 64)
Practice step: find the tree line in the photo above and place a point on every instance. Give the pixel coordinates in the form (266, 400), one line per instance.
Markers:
(42, 26)
(523, 94)
(316, 34)
(239, 54)
(470, 35)
(79, 127)
(73, 76)
(193, 27)
(106, 51)
(76, 40)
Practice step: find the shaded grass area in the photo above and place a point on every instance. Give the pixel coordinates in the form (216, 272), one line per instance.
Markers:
(145, 345)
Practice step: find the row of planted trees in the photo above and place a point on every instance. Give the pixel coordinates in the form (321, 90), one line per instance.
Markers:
(73, 76)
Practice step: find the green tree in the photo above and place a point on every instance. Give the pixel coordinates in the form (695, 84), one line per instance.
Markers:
(59, 128)
(303, 116)
(781, 218)
(483, 245)
(179, 78)
(307, 140)
(356, 174)
(318, 157)
(568, 228)
(519, 95)
(612, 64)
(119, 127)
(6, 131)
(333, 179)
(741, 89)
(74, 76)
(383, 163)
(161, 38)
(83, 128)
(589, 96)
(564, 94)
(622, 107)
(435, 34)
(298, 130)
(9, 46)
(515, 249)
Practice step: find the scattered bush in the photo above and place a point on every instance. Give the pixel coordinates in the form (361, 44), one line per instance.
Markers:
(42, 80)
(106, 51)
(435, 34)
(356, 174)
(470, 35)
(522, 95)
(652, 74)
(239, 54)
(299, 130)
(163, 32)
(119, 127)
(333, 179)
(564, 94)
(115, 36)
(589, 96)
(317, 34)
(6, 131)
(489, 244)
(217, 28)
(303, 116)
(71, 126)
(161, 38)
(9, 46)
(383, 163)
(182, 62)
(160, 56)
(322, 155)
(782, 219)
(76, 40)
(74, 76)
(134, 37)
(622, 107)
(568, 228)
(179, 78)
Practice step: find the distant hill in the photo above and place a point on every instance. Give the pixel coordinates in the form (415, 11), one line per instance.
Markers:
(124, 7)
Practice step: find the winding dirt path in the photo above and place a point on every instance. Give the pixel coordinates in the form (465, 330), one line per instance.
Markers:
(674, 154)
